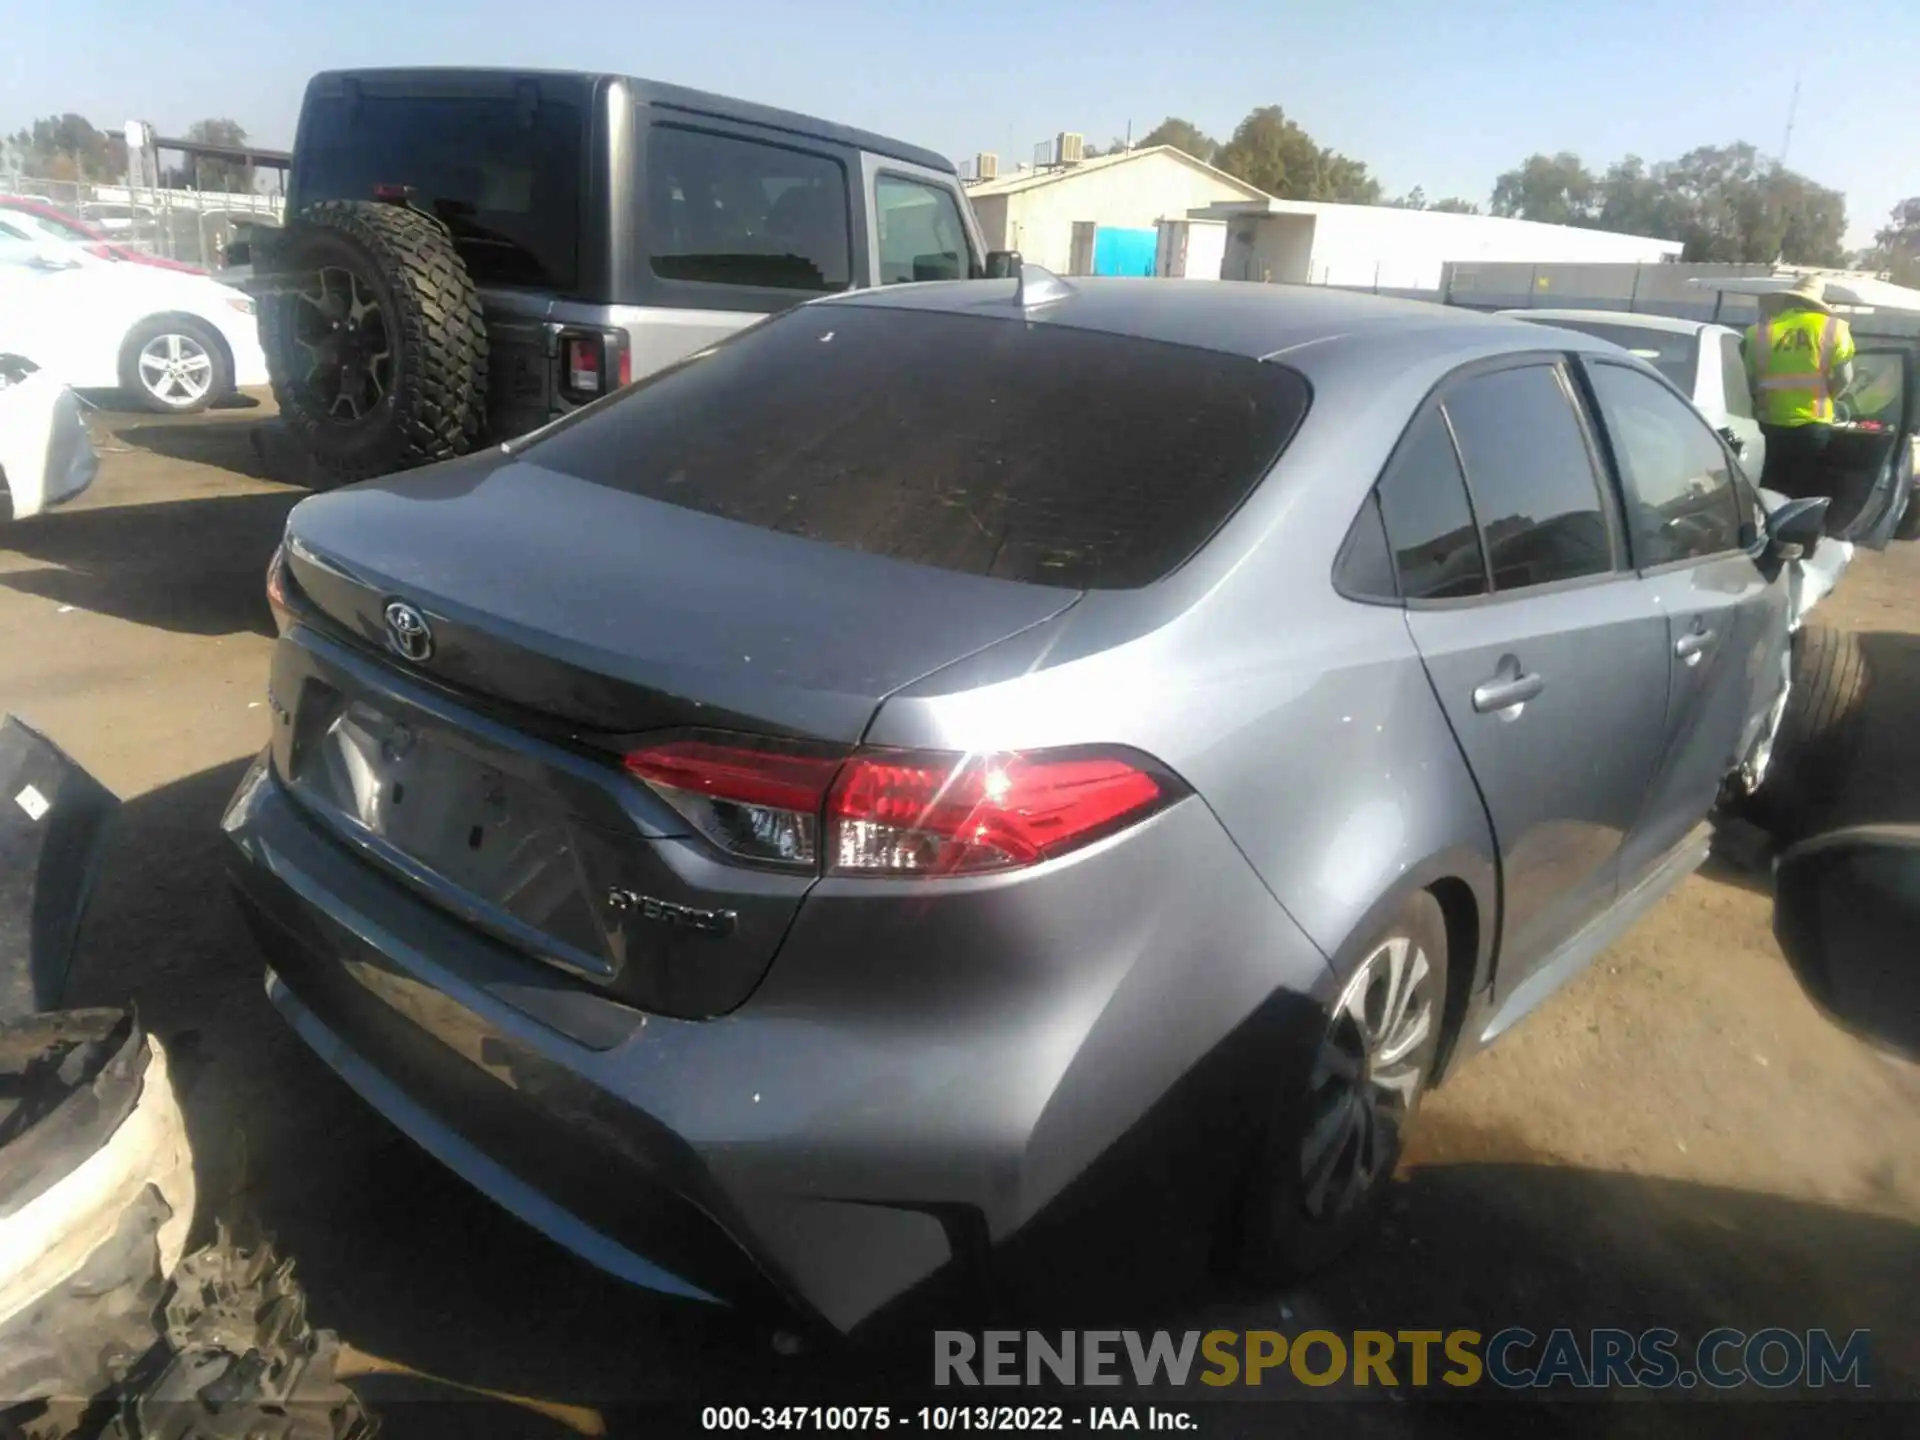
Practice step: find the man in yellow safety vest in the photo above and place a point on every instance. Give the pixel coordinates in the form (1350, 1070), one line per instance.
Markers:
(1799, 359)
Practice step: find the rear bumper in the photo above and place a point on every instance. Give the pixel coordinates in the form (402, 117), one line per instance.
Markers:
(897, 1099)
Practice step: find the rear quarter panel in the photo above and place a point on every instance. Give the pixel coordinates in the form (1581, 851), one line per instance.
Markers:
(1303, 719)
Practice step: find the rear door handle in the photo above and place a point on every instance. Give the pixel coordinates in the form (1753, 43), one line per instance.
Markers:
(1691, 645)
(1505, 692)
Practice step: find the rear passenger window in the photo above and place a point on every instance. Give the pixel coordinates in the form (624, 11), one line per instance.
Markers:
(1681, 502)
(736, 212)
(921, 235)
(1531, 476)
(1733, 378)
(1364, 570)
(1423, 502)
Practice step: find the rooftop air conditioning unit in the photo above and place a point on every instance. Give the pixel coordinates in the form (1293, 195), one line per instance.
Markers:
(986, 166)
(1069, 148)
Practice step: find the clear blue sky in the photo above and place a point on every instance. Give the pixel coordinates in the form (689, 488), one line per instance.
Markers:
(1442, 95)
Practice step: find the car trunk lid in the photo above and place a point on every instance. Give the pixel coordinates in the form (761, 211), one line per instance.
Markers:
(595, 616)
(617, 614)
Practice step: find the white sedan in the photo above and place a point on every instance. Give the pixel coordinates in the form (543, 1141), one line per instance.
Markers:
(171, 341)
(45, 456)
(1700, 358)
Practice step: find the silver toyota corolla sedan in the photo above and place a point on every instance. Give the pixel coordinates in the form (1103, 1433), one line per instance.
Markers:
(962, 755)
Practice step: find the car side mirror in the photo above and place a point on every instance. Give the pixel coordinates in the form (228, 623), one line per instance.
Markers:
(1846, 909)
(1002, 264)
(1797, 526)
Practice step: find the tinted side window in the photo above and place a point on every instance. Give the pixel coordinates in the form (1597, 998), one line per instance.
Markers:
(1680, 497)
(921, 235)
(1423, 501)
(736, 212)
(1531, 476)
(1364, 570)
(1733, 378)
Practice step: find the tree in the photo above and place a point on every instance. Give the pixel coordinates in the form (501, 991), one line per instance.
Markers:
(1554, 189)
(1730, 203)
(1896, 245)
(1414, 199)
(67, 147)
(1272, 153)
(1182, 135)
(206, 173)
(1454, 205)
(1722, 202)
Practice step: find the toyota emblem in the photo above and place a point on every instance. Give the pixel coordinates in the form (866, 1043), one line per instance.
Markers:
(408, 632)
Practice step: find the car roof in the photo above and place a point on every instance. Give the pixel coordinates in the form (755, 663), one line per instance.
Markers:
(1255, 319)
(654, 92)
(1634, 318)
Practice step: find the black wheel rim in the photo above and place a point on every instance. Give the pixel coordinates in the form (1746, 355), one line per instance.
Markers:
(341, 326)
(1366, 1079)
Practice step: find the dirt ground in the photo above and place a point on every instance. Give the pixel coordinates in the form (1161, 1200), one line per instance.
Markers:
(1676, 1139)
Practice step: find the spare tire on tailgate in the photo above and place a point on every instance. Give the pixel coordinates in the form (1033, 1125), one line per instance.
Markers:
(374, 339)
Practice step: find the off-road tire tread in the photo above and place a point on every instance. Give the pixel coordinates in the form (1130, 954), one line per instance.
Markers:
(440, 372)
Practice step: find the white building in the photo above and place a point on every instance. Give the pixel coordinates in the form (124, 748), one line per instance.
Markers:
(1034, 210)
(1379, 247)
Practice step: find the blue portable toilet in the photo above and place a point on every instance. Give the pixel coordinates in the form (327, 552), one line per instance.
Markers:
(1123, 252)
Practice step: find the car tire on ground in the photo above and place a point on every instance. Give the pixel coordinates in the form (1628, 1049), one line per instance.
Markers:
(374, 339)
(175, 365)
(1909, 526)
(1817, 732)
(1322, 1174)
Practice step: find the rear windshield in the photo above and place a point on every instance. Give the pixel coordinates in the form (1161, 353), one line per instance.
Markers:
(1674, 353)
(504, 178)
(1025, 452)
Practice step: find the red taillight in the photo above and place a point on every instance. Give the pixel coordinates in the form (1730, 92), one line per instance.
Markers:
(583, 360)
(899, 812)
(936, 814)
(626, 366)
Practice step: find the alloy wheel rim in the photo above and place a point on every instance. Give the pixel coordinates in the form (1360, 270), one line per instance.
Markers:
(1366, 1079)
(341, 326)
(176, 370)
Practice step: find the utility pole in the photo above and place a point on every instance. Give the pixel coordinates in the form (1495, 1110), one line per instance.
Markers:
(1793, 110)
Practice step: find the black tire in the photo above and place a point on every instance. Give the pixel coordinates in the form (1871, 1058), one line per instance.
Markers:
(1909, 526)
(1818, 730)
(203, 375)
(1281, 1235)
(374, 339)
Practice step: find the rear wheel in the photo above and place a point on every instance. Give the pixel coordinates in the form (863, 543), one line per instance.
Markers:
(1323, 1174)
(175, 365)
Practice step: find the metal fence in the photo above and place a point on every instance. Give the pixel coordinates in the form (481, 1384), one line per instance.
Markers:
(194, 226)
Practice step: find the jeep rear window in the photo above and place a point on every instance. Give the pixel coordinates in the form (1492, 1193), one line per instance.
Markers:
(1029, 452)
(504, 181)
